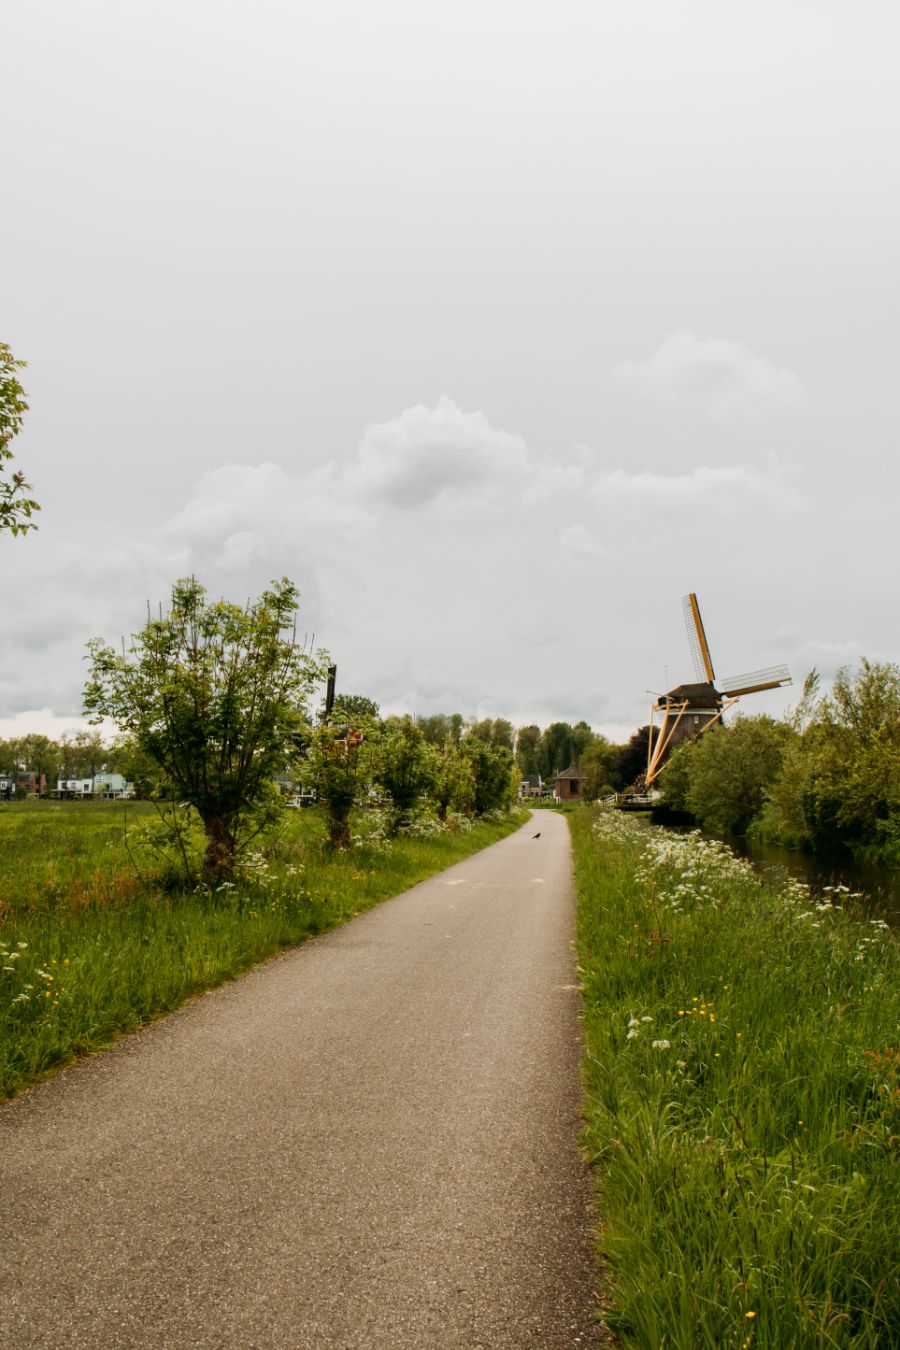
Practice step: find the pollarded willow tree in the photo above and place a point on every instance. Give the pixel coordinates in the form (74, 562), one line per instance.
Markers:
(215, 694)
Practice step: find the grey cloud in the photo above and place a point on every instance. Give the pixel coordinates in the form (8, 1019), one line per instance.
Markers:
(424, 454)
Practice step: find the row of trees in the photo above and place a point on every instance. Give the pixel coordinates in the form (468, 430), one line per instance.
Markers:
(79, 755)
(393, 761)
(826, 777)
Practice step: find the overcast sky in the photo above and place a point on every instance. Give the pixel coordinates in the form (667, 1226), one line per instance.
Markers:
(497, 327)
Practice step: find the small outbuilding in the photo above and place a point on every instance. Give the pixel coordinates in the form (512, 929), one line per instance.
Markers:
(569, 785)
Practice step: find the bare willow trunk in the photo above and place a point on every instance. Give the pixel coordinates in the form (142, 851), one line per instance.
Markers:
(339, 826)
(218, 860)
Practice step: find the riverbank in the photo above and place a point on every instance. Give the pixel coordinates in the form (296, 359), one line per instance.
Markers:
(742, 1081)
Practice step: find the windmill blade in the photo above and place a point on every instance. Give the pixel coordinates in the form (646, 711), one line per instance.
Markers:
(773, 677)
(696, 634)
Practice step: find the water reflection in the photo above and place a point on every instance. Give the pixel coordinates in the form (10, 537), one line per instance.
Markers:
(880, 885)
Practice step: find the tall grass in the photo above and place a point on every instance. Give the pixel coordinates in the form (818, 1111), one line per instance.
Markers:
(742, 1083)
(93, 944)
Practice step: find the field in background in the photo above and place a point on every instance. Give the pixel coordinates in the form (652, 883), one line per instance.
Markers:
(742, 1081)
(98, 934)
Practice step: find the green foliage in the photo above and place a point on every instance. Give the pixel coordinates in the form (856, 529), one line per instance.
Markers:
(494, 774)
(453, 782)
(742, 1099)
(342, 761)
(724, 776)
(352, 707)
(598, 763)
(631, 761)
(493, 731)
(16, 509)
(557, 749)
(528, 749)
(851, 789)
(404, 768)
(213, 694)
(438, 729)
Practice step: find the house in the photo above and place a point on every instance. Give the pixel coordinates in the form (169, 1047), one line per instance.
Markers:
(23, 783)
(532, 785)
(569, 785)
(103, 785)
(112, 786)
(74, 787)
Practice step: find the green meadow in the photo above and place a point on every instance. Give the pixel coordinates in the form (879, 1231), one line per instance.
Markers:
(100, 931)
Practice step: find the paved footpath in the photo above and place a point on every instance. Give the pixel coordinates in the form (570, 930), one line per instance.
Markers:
(370, 1141)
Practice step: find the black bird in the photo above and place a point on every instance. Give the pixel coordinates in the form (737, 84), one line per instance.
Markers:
(536, 836)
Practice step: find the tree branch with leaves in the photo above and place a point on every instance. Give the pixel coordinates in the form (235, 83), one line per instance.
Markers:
(16, 509)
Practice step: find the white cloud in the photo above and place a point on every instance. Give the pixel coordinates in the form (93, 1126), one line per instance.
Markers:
(425, 454)
(248, 519)
(723, 379)
(580, 542)
(724, 491)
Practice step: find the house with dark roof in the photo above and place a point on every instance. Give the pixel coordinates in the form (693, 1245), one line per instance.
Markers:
(568, 786)
(532, 785)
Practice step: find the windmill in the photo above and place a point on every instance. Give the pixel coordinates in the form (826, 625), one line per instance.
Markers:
(690, 709)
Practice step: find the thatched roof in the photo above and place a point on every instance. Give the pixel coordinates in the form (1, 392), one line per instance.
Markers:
(695, 695)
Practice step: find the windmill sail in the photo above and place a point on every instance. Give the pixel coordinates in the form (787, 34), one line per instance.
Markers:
(703, 667)
(772, 677)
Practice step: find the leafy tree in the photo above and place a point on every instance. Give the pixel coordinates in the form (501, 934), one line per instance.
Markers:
(851, 789)
(632, 758)
(441, 728)
(213, 693)
(731, 771)
(557, 749)
(453, 782)
(435, 728)
(16, 509)
(342, 762)
(582, 736)
(493, 731)
(82, 754)
(354, 707)
(528, 749)
(597, 762)
(494, 772)
(40, 754)
(404, 768)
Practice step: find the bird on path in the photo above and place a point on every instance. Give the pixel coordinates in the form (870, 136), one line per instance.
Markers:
(536, 836)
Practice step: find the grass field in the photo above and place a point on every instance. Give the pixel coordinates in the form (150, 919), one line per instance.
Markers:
(98, 934)
(742, 1099)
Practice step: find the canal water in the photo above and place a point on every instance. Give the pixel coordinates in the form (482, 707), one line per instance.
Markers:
(879, 886)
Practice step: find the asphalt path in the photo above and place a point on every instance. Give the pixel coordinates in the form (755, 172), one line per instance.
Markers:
(370, 1141)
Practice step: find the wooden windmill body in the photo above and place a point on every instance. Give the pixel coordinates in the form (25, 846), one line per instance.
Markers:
(690, 709)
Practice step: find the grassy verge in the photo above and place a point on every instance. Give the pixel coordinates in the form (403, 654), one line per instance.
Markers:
(742, 1099)
(89, 949)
